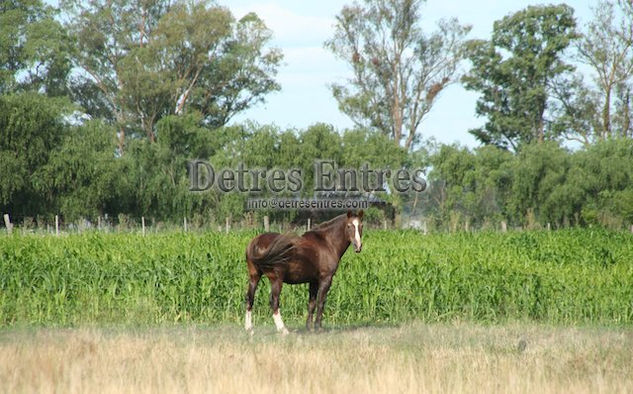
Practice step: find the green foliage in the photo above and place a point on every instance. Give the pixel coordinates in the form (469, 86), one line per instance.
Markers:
(469, 187)
(162, 78)
(144, 60)
(514, 71)
(34, 49)
(540, 182)
(82, 172)
(30, 129)
(606, 177)
(544, 183)
(569, 277)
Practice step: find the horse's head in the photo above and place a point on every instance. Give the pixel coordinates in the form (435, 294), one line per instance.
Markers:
(354, 229)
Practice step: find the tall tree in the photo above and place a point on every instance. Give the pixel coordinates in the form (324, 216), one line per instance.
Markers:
(514, 72)
(398, 70)
(31, 127)
(222, 66)
(607, 47)
(105, 32)
(145, 59)
(34, 48)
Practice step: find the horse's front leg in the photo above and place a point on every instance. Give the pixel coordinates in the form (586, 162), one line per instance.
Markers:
(313, 290)
(275, 290)
(324, 287)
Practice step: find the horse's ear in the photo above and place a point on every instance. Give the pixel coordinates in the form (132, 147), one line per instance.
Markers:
(349, 213)
(360, 214)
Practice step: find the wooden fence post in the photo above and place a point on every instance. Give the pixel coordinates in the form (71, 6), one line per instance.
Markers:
(143, 224)
(7, 223)
(227, 224)
(184, 221)
(309, 224)
(266, 223)
(504, 226)
(56, 224)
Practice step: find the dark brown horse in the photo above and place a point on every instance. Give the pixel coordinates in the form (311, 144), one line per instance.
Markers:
(311, 258)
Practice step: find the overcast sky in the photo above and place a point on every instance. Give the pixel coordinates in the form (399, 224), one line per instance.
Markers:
(300, 29)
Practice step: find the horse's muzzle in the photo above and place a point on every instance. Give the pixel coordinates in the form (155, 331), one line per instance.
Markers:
(357, 249)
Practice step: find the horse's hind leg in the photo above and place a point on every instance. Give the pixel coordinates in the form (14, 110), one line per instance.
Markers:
(313, 290)
(254, 276)
(275, 290)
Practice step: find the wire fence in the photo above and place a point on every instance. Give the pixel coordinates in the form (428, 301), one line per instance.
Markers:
(125, 223)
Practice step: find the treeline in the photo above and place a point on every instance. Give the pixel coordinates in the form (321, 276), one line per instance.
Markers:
(73, 171)
(545, 184)
(103, 103)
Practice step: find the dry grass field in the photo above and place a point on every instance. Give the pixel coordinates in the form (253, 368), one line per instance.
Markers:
(409, 358)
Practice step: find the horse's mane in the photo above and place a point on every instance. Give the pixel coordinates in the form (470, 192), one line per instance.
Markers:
(329, 224)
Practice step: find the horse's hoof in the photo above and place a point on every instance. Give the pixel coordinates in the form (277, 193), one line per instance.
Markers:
(284, 331)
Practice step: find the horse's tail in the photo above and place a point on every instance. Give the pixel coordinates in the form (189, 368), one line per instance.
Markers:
(279, 251)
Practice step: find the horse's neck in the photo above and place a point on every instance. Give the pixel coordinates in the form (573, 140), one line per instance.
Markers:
(336, 238)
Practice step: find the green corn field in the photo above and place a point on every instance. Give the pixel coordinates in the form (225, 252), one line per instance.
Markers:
(563, 277)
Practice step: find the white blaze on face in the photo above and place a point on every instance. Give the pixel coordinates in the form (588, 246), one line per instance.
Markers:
(248, 321)
(279, 323)
(356, 233)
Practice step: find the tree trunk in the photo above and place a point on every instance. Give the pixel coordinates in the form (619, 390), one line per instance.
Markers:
(149, 130)
(410, 137)
(540, 127)
(415, 204)
(540, 132)
(396, 111)
(397, 117)
(121, 139)
(606, 114)
(626, 123)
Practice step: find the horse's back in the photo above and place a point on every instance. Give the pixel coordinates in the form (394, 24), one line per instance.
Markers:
(260, 243)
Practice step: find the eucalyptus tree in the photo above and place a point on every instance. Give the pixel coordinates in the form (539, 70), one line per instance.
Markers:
(607, 48)
(398, 69)
(141, 60)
